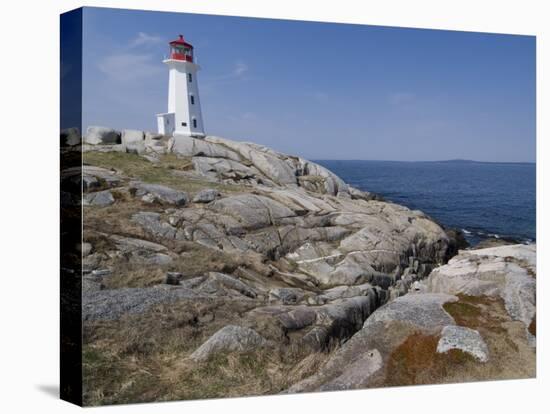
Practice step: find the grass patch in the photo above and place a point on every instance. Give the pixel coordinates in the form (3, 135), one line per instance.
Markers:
(116, 218)
(416, 361)
(477, 312)
(193, 260)
(136, 167)
(464, 313)
(143, 358)
(133, 275)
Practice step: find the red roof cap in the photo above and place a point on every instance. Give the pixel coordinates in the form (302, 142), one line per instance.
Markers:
(181, 41)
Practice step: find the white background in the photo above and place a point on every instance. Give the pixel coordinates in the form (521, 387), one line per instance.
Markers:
(29, 222)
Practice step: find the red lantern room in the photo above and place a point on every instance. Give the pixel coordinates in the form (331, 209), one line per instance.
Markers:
(181, 50)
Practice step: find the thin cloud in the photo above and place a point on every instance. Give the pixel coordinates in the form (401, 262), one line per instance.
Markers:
(145, 39)
(126, 67)
(239, 69)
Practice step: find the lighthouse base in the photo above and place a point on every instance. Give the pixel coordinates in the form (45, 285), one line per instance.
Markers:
(166, 124)
(187, 134)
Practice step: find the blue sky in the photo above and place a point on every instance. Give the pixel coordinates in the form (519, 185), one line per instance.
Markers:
(321, 90)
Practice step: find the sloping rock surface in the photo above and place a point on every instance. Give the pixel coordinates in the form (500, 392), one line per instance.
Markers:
(506, 271)
(313, 263)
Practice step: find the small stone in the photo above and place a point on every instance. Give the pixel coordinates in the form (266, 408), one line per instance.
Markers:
(101, 272)
(86, 249)
(206, 196)
(151, 158)
(149, 198)
(465, 339)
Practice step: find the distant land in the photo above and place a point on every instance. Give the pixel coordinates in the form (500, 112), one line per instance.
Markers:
(462, 161)
(453, 161)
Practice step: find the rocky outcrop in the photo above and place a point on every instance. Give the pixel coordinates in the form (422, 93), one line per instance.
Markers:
(336, 253)
(507, 272)
(312, 263)
(229, 338)
(361, 359)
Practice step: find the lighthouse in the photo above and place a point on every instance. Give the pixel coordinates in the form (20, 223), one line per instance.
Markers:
(184, 117)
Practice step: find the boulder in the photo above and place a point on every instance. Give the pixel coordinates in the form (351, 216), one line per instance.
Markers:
(230, 338)
(229, 282)
(152, 223)
(133, 141)
(142, 251)
(465, 339)
(99, 199)
(95, 178)
(155, 193)
(96, 135)
(206, 196)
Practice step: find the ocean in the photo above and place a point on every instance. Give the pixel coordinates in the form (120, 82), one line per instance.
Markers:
(482, 199)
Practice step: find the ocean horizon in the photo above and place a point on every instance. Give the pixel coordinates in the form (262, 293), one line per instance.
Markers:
(484, 199)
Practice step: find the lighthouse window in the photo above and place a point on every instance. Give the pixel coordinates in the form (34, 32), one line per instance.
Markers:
(194, 123)
(184, 124)
(192, 100)
(190, 77)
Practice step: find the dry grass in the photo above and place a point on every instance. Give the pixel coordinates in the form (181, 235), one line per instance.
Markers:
(136, 167)
(193, 260)
(479, 312)
(144, 357)
(134, 275)
(116, 218)
(416, 361)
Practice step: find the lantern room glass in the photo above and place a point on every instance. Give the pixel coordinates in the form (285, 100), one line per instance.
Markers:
(181, 52)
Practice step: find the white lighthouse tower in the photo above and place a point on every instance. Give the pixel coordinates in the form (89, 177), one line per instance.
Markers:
(184, 116)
